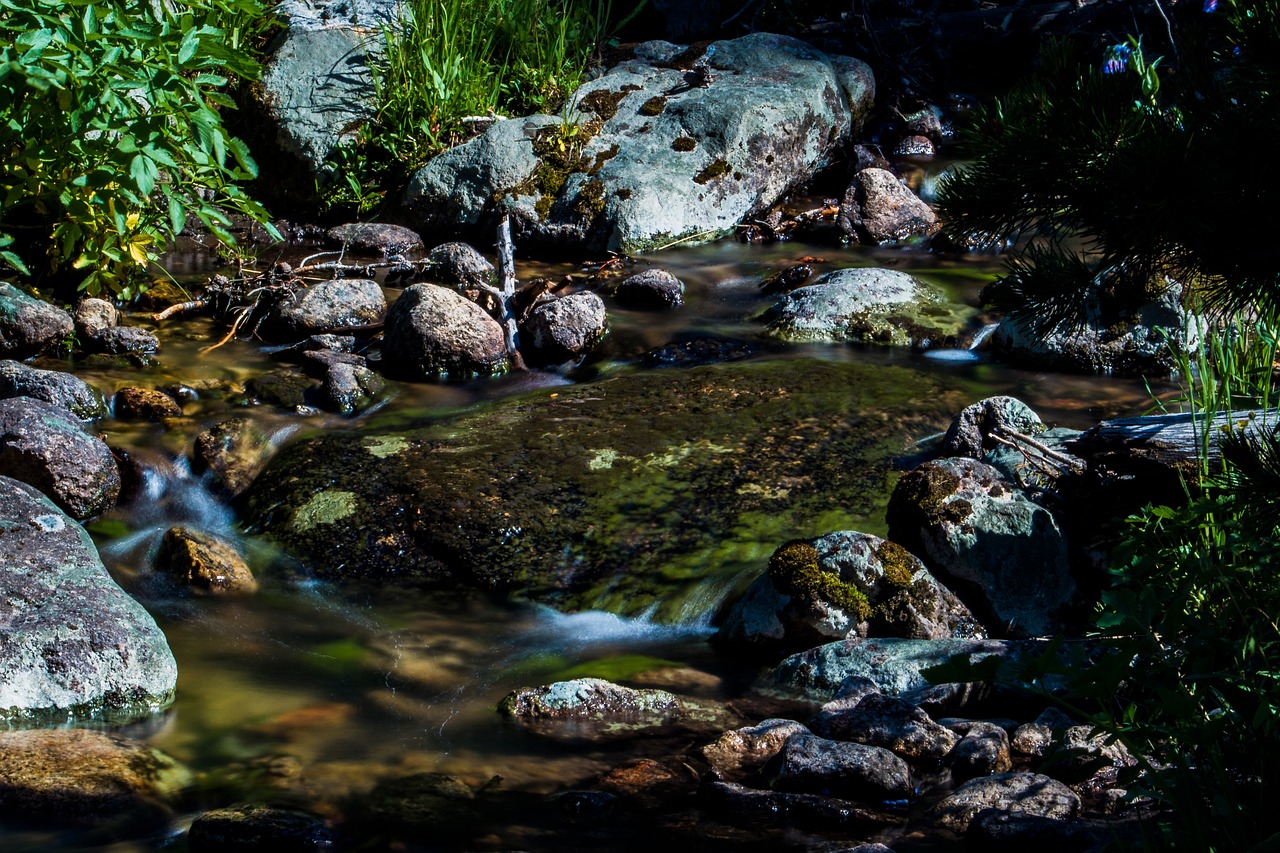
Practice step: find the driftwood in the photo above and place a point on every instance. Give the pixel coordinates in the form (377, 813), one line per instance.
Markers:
(1171, 442)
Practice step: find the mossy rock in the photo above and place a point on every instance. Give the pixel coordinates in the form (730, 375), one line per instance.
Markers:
(642, 488)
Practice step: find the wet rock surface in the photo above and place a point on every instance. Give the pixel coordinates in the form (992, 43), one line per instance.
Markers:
(76, 646)
(889, 722)
(29, 326)
(1028, 793)
(52, 386)
(432, 332)
(257, 827)
(739, 753)
(378, 239)
(328, 307)
(47, 447)
(878, 208)
(565, 328)
(652, 289)
(206, 564)
(460, 264)
(970, 434)
(232, 452)
(144, 404)
(808, 764)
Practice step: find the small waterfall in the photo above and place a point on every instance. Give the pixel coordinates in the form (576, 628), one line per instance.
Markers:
(983, 333)
(969, 353)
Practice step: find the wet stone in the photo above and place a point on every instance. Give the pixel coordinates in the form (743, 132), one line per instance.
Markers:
(375, 238)
(887, 721)
(205, 563)
(232, 452)
(52, 386)
(739, 753)
(94, 316)
(565, 328)
(29, 326)
(983, 750)
(326, 308)
(779, 807)
(123, 340)
(652, 290)
(437, 802)
(699, 352)
(47, 447)
(144, 404)
(259, 828)
(460, 264)
(808, 764)
(1029, 793)
(287, 389)
(349, 388)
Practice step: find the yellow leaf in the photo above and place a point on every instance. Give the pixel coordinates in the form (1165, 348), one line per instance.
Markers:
(131, 221)
(138, 249)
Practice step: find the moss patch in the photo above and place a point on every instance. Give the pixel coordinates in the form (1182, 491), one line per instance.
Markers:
(709, 174)
(654, 106)
(898, 563)
(684, 143)
(603, 102)
(927, 489)
(794, 570)
(324, 508)
(590, 201)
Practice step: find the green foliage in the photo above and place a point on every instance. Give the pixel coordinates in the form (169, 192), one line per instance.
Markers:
(111, 136)
(447, 60)
(1111, 178)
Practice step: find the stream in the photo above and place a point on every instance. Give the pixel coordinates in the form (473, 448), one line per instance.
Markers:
(311, 693)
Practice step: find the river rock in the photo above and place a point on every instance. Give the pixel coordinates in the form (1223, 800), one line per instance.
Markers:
(460, 264)
(662, 160)
(256, 827)
(1005, 553)
(75, 645)
(889, 722)
(1029, 793)
(866, 305)
(970, 433)
(808, 764)
(350, 388)
(564, 329)
(739, 753)
(81, 778)
(651, 289)
(878, 208)
(811, 811)
(47, 447)
(144, 404)
(29, 326)
(799, 603)
(52, 386)
(687, 466)
(94, 316)
(999, 831)
(205, 563)
(437, 803)
(1083, 752)
(232, 452)
(327, 307)
(375, 238)
(123, 340)
(432, 332)
(288, 389)
(592, 709)
(1135, 346)
(982, 751)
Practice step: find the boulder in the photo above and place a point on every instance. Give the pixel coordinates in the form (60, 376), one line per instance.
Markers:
(94, 316)
(144, 404)
(327, 307)
(207, 564)
(808, 764)
(970, 433)
(433, 333)
(350, 388)
(65, 778)
(377, 239)
(652, 289)
(564, 329)
(233, 452)
(1083, 753)
(740, 753)
(878, 208)
(1029, 793)
(646, 157)
(1003, 553)
(47, 447)
(123, 340)
(685, 465)
(259, 827)
(52, 386)
(866, 305)
(844, 584)
(75, 646)
(889, 722)
(460, 264)
(982, 751)
(29, 326)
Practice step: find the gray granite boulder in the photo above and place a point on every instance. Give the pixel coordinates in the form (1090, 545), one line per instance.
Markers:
(889, 722)
(95, 315)
(982, 751)
(808, 764)
(1003, 553)
(970, 433)
(122, 340)
(1029, 793)
(460, 264)
(378, 239)
(895, 596)
(52, 386)
(47, 447)
(866, 305)
(74, 646)
(878, 208)
(29, 326)
(652, 289)
(564, 329)
(432, 332)
(327, 307)
(648, 155)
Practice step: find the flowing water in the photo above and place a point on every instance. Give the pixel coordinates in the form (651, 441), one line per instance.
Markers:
(311, 694)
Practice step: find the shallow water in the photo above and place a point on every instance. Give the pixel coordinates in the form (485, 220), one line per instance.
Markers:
(311, 694)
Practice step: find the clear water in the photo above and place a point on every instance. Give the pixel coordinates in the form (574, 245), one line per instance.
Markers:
(336, 690)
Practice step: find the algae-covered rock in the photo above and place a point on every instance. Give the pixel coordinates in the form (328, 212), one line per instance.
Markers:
(610, 494)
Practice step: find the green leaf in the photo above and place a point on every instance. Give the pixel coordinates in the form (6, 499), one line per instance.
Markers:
(190, 44)
(177, 216)
(144, 172)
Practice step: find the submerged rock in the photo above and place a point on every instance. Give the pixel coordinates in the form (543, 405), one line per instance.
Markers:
(29, 326)
(82, 778)
(866, 305)
(433, 333)
(257, 827)
(981, 531)
(144, 404)
(233, 452)
(663, 159)
(878, 208)
(52, 386)
(854, 585)
(591, 709)
(207, 564)
(75, 646)
(47, 446)
(614, 494)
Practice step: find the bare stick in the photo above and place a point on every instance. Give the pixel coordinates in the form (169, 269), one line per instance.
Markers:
(507, 294)
(180, 308)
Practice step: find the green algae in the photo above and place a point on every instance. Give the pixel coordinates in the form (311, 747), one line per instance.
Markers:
(638, 490)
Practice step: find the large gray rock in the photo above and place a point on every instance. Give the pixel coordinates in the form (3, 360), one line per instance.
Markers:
(739, 753)
(28, 326)
(52, 386)
(74, 645)
(665, 160)
(432, 332)
(378, 239)
(878, 208)
(47, 447)
(970, 433)
(564, 328)
(328, 307)
(866, 305)
(974, 527)
(1029, 793)
(888, 722)
(808, 764)
(899, 598)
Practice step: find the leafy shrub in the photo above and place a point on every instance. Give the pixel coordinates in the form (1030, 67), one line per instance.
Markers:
(111, 136)
(447, 60)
